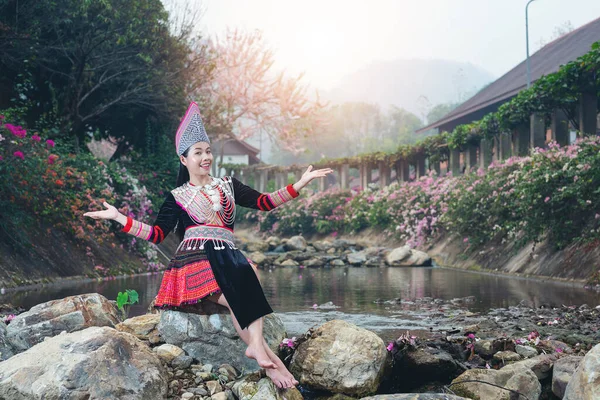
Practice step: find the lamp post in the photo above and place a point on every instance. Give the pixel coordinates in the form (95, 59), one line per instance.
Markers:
(527, 40)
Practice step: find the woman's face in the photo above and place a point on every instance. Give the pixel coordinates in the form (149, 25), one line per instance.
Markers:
(199, 159)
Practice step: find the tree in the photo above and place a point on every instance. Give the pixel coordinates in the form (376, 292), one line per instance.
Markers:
(246, 96)
(103, 66)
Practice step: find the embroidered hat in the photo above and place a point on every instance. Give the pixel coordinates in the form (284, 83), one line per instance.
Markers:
(191, 130)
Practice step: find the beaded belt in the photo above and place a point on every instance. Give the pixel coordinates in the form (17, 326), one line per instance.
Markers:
(196, 236)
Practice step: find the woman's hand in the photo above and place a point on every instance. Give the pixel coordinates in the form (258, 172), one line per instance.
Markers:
(110, 213)
(309, 175)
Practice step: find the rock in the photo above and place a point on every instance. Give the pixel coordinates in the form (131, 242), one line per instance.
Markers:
(343, 243)
(415, 396)
(357, 258)
(506, 356)
(187, 395)
(257, 247)
(337, 263)
(296, 243)
(471, 329)
(253, 387)
(168, 352)
(562, 372)
(552, 346)
(204, 337)
(373, 262)
(274, 241)
(143, 327)
(341, 358)
(484, 348)
(213, 387)
(310, 249)
(229, 371)
(422, 365)
(290, 263)
(418, 258)
(226, 395)
(519, 378)
(94, 363)
(6, 350)
(258, 258)
(397, 255)
(323, 245)
(540, 365)
(70, 314)
(526, 351)
(182, 362)
(332, 250)
(585, 382)
(314, 262)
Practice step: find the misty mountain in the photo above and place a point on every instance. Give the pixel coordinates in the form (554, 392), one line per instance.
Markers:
(415, 85)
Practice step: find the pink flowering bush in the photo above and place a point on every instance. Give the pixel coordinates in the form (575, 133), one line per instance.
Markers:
(553, 193)
(41, 180)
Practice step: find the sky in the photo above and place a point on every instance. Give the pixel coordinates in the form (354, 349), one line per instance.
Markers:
(327, 39)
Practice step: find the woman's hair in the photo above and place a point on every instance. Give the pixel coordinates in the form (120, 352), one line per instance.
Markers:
(182, 177)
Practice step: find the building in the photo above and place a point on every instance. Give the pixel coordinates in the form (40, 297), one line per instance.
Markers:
(543, 62)
(235, 151)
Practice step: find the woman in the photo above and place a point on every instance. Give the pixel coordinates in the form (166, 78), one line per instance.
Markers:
(207, 265)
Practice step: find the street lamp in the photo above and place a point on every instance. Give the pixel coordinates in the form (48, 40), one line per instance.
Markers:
(527, 40)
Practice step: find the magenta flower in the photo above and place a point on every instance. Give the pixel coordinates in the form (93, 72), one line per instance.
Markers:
(50, 143)
(315, 306)
(390, 346)
(19, 154)
(36, 138)
(471, 336)
(547, 199)
(1, 158)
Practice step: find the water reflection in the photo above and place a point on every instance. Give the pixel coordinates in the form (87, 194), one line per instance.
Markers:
(354, 290)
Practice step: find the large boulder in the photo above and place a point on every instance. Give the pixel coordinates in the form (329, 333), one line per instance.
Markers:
(296, 243)
(70, 314)
(94, 363)
(396, 256)
(253, 386)
(585, 382)
(515, 376)
(562, 372)
(214, 338)
(342, 358)
(415, 396)
(323, 245)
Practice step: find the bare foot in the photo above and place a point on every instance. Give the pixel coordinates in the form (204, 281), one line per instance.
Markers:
(278, 379)
(288, 375)
(257, 352)
(280, 365)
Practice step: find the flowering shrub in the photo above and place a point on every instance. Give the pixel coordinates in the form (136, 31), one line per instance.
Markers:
(553, 193)
(40, 180)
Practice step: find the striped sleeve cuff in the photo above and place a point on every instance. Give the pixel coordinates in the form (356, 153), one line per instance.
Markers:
(267, 202)
(138, 229)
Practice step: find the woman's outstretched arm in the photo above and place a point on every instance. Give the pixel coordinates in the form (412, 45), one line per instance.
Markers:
(246, 196)
(165, 221)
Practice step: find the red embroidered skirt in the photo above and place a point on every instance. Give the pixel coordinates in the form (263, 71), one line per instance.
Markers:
(187, 280)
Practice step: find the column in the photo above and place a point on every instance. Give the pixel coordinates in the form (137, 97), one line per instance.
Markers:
(455, 162)
(588, 113)
(384, 174)
(471, 158)
(403, 171)
(537, 131)
(345, 176)
(420, 166)
(264, 178)
(521, 141)
(505, 146)
(560, 127)
(486, 152)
